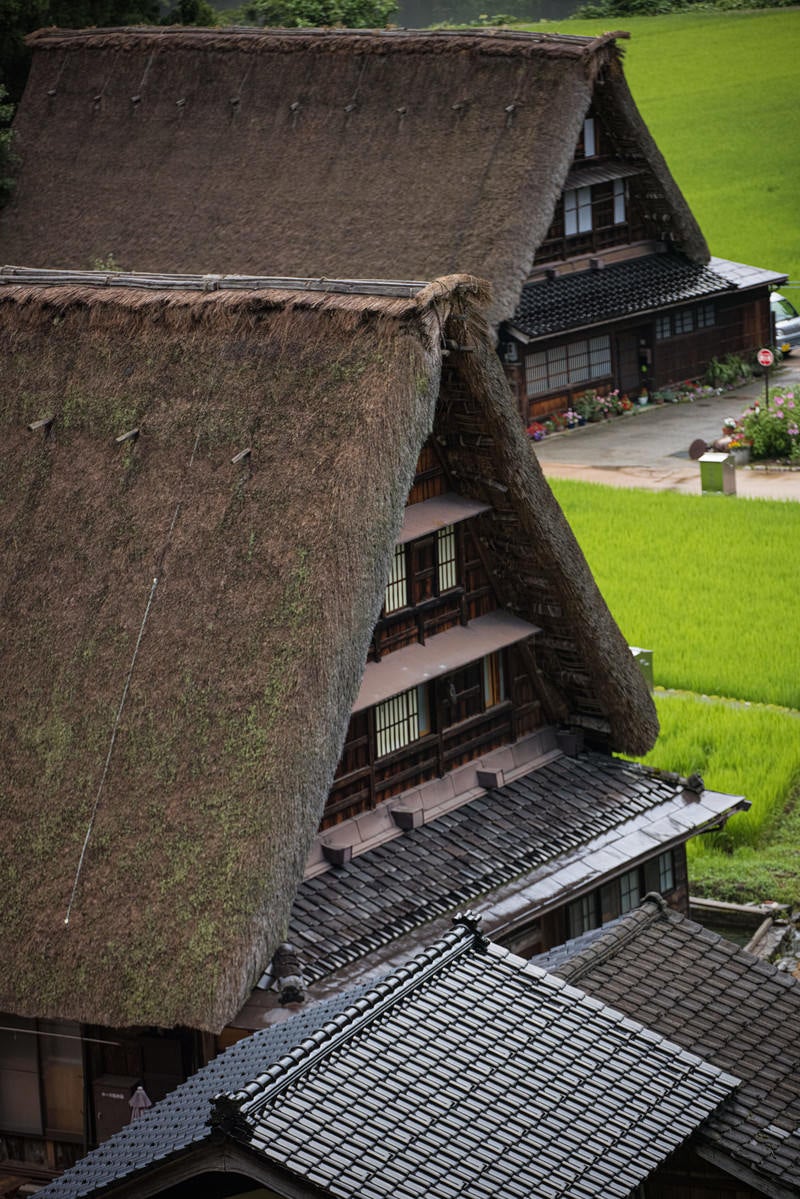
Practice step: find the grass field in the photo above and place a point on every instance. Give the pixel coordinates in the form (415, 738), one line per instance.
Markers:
(719, 93)
(710, 586)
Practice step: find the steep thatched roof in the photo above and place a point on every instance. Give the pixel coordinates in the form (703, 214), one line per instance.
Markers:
(182, 635)
(374, 155)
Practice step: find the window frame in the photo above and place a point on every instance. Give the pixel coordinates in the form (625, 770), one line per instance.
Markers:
(397, 583)
(568, 364)
(583, 912)
(630, 885)
(666, 868)
(408, 720)
(578, 216)
(589, 138)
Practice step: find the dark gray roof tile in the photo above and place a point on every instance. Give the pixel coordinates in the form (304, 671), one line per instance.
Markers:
(592, 297)
(506, 834)
(753, 1036)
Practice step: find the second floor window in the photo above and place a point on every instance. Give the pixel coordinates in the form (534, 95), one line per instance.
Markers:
(589, 148)
(397, 588)
(422, 570)
(401, 720)
(577, 211)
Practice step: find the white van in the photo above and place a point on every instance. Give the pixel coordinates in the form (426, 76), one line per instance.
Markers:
(787, 322)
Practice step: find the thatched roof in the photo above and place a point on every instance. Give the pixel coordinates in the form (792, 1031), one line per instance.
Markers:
(182, 635)
(377, 154)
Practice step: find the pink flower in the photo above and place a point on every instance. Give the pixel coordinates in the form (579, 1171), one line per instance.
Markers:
(793, 430)
(790, 403)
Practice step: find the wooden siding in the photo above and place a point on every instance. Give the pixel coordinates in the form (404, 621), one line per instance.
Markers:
(553, 928)
(741, 326)
(462, 730)
(685, 1175)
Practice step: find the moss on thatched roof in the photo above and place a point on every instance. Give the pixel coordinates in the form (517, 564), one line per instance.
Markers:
(311, 152)
(228, 602)
(270, 575)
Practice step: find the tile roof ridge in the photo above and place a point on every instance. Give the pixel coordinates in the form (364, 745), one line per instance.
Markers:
(652, 908)
(230, 1110)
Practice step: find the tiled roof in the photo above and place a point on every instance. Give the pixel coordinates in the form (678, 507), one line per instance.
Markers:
(743, 276)
(623, 289)
(473, 1073)
(573, 815)
(727, 1006)
(558, 955)
(469, 1072)
(181, 1119)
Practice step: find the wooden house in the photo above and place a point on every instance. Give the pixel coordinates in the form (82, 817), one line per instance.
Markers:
(519, 157)
(288, 609)
(294, 638)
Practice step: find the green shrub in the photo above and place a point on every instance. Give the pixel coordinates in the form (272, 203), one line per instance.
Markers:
(774, 431)
(728, 372)
(7, 155)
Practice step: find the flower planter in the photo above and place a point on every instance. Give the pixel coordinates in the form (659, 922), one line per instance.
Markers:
(741, 455)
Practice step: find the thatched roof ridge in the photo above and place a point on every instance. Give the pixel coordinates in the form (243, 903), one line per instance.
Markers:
(270, 574)
(329, 40)
(401, 153)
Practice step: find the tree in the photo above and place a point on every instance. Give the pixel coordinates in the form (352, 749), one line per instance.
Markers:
(20, 17)
(296, 13)
(7, 157)
(191, 12)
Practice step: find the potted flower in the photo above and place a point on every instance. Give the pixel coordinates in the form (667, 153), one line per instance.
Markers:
(536, 431)
(736, 440)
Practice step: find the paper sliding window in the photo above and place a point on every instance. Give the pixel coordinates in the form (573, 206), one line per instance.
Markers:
(400, 720)
(397, 588)
(446, 558)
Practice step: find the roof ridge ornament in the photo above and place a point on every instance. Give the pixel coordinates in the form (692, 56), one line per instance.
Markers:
(471, 922)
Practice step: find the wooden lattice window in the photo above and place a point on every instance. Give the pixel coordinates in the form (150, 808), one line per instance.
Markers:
(396, 596)
(447, 558)
(400, 720)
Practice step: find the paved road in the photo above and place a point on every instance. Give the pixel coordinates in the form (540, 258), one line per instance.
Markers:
(651, 448)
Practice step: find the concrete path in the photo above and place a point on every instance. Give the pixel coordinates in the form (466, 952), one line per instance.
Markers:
(650, 448)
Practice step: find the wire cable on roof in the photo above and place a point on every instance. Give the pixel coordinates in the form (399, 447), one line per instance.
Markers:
(125, 689)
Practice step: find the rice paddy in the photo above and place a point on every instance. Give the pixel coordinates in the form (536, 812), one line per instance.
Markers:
(710, 587)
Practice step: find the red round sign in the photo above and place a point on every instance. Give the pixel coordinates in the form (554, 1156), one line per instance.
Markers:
(765, 357)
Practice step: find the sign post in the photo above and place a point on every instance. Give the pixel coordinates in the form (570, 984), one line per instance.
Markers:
(766, 359)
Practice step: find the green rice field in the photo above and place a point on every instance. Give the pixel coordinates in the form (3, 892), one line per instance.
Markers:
(710, 586)
(719, 94)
